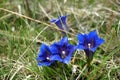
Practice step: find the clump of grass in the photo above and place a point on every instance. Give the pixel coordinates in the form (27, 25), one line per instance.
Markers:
(24, 25)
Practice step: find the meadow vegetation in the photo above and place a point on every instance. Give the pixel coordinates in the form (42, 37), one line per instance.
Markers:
(25, 24)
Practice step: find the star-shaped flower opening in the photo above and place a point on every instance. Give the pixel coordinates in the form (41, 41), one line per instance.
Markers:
(89, 41)
(44, 56)
(62, 50)
(61, 22)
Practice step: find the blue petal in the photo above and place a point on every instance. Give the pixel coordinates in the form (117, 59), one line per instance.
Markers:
(53, 20)
(45, 63)
(44, 51)
(64, 19)
(71, 48)
(57, 22)
(99, 41)
(68, 58)
(63, 41)
(94, 49)
(43, 48)
(92, 34)
(61, 22)
(56, 57)
(81, 47)
(81, 38)
(53, 49)
(71, 51)
(40, 58)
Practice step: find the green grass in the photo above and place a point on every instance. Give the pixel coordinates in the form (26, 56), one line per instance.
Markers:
(22, 35)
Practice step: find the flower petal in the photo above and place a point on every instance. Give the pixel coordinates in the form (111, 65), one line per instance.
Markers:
(99, 41)
(81, 38)
(45, 63)
(71, 50)
(43, 54)
(82, 41)
(67, 59)
(94, 48)
(64, 19)
(40, 58)
(53, 20)
(56, 57)
(53, 49)
(63, 41)
(61, 22)
(92, 34)
(81, 47)
(57, 22)
(43, 48)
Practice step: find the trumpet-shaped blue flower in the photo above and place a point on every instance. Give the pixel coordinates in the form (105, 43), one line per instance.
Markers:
(89, 41)
(62, 50)
(44, 56)
(61, 22)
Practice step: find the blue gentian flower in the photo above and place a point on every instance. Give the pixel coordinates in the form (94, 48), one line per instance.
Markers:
(44, 56)
(89, 41)
(61, 22)
(62, 50)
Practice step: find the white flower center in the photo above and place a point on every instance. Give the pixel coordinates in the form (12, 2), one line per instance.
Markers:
(89, 45)
(47, 58)
(63, 52)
